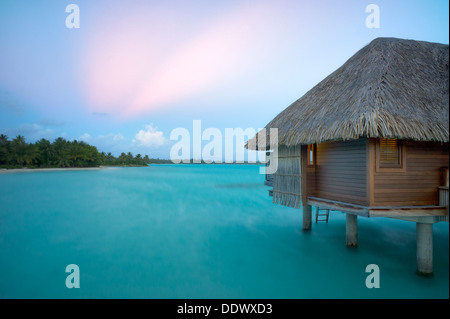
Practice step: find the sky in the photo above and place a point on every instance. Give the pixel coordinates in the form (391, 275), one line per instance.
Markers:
(134, 71)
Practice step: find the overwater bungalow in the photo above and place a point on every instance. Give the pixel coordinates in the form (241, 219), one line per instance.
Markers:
(370, 140)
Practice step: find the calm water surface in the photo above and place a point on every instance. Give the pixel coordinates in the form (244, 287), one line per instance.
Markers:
(193, 231)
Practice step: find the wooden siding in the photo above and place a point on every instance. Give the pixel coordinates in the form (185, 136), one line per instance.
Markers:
(418, 183)
(341, 172)
(311, 181)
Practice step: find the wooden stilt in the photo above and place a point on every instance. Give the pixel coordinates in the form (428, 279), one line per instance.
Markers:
(351, 230)
(424, 237)
(307, 217)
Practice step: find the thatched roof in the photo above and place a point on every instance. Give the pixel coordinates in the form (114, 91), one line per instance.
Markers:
(391, 88)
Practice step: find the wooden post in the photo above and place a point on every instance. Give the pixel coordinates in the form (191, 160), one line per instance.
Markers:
(306, 217)
(351, 230)
(307, 214)
(424, 238)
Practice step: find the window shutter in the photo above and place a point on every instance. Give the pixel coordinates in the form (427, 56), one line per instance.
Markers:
(389, 153)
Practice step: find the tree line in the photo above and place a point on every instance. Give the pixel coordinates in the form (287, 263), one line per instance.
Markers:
(17, 153)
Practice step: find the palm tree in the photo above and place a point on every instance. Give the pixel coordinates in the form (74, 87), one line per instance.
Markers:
(19, 150)
(31, 154)
(92, 156)
(102, 158)
(123, 158)
(110, 159)
(45, 152)
(76, 153)
(138, 160)
(60, 156)
(129, 158)
(5, 149)
(61, 162)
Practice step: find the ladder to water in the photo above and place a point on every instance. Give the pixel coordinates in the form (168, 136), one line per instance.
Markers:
(322, 217)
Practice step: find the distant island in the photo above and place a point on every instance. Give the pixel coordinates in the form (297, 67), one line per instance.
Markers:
(61, 153)
(17, 153)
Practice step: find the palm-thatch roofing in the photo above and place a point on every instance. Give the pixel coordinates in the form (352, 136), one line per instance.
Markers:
(391, 88)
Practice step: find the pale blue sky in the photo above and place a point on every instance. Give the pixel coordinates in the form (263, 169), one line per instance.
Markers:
(152, 66)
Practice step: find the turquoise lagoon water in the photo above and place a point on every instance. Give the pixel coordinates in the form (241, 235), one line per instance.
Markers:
(193, 231)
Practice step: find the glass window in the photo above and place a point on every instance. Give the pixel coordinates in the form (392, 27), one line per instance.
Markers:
(311, 154)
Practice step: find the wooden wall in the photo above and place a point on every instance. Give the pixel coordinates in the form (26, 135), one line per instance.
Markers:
(418, 183)
(341, 172)
(346, 171)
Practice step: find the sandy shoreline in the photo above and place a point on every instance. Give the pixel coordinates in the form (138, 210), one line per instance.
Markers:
(28, 170)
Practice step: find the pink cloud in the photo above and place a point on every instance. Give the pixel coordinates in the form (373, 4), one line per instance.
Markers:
(140, 68)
